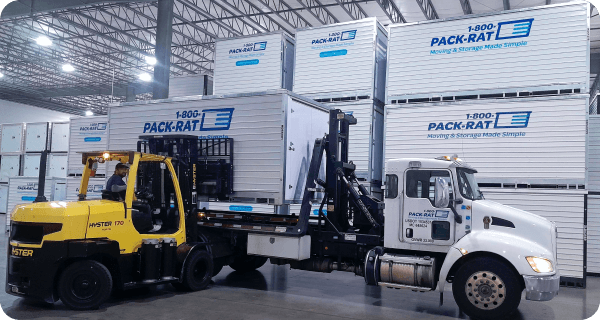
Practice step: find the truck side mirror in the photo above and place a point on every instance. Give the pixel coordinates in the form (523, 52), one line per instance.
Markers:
(441, 193)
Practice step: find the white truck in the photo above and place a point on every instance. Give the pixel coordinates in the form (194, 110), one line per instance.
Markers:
(434, 228)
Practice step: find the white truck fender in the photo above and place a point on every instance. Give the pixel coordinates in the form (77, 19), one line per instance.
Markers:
(509, 246)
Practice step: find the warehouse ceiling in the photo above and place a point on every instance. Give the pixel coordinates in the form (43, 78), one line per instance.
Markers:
(109, 43)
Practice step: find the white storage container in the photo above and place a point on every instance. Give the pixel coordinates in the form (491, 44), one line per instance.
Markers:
(24, 190)
(60, 137)
(31, 165)
(57, 165)
(341, 60)
(523, 140)
(565, 208)
(273, 135)
(36, 137)
(10, 166)
(12, 138)
(94, 191)
(86, 134)
(533, 49)
(593, 153)
(59, 191)
(366, 138)
(254, 63)
(3, 197)
(190, 86)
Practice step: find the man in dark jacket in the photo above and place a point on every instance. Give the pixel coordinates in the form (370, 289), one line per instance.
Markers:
(116, 184)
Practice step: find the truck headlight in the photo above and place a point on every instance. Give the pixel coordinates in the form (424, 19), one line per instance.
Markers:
(540, 265)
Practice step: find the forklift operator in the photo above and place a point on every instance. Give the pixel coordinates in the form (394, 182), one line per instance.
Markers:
(116, 184)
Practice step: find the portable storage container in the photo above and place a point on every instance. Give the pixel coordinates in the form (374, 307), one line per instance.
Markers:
(12, 138)
(24, 190)
(532, 49)
(593, 166)
(9, 167)
(366, 138)
(523, 140)
(86, 134)
(36, 137)
(3, 197)
(254, 63)
(564, 207)
(190, 86)
(60, 137)
(57, 165)
(59, 191)
(94, 191)
(342, 61)
(31, 165)
(273, 135)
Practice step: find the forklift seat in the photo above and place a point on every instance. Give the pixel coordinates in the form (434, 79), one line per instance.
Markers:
(141, 216)
(109, 195)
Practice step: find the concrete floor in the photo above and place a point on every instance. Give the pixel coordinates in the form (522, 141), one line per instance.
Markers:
(276, 292)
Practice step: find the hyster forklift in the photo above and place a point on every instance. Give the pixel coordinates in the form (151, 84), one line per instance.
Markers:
(80, 251)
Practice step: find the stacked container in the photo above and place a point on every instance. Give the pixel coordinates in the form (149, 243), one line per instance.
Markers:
(86, 134)
(502, 91)
(254, 63)
(344, 65)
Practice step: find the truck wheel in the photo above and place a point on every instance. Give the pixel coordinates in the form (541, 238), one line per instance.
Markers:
(197, 271)
(247, 263)
(85, 285)
(487, 288)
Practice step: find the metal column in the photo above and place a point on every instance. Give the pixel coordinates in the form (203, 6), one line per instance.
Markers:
(164, 34)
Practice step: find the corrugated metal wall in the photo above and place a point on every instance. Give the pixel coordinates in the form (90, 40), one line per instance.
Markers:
(526, 140)
(565, 208)
(427, 60)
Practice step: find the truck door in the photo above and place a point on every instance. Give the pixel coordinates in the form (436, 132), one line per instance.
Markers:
(422, 222)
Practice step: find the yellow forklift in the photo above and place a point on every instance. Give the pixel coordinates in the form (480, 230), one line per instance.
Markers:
(80, 251)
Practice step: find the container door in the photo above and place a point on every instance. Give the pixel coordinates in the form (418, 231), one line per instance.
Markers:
(36, 137)
(31, 165)
(288, 65)
(60, 191)
(60, 137)
(9, 167)
(58, 166)
(12, 138)
(422, 222)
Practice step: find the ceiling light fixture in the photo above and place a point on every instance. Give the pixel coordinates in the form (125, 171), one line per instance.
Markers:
(145, 77)
(43, 41)
(1, 75)
(89, 113)
(68, 68)
(150, 60)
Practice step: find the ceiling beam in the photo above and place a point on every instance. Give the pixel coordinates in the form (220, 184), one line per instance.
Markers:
(354, 10)
(466, 6)
(29, 7)
(281, 10)
(428, 9)
(317, 10)
(506, 4)
(391, 11)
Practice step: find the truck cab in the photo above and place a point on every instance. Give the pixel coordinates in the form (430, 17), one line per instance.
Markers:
(488, 251)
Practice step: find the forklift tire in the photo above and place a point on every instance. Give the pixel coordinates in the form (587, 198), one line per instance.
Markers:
(487, 288)
(197, 271)
(85, 285)
(247, 263)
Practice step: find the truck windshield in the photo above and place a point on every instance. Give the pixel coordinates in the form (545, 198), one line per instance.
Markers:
(468, 185)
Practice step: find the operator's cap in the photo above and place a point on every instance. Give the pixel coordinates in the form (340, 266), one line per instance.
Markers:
(121, 166)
